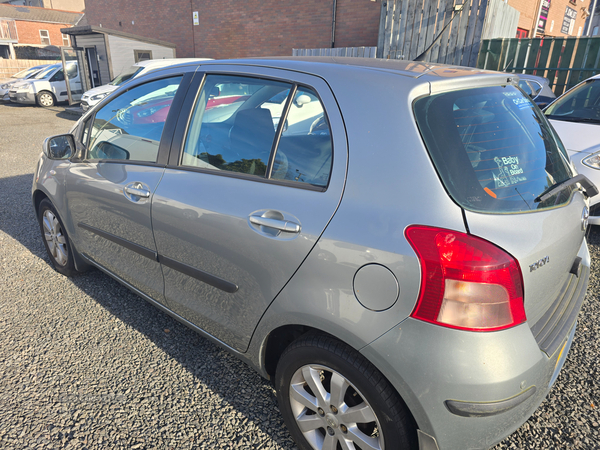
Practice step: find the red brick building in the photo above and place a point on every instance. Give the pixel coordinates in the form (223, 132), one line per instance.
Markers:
(232, 29)
(37, 29)
(560, 18)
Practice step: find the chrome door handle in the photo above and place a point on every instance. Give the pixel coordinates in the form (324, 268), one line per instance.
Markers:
(137, 192)
(281, 225)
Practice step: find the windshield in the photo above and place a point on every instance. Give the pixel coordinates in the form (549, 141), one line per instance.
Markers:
(127, 74)
(580, 104)
(494, 150)
(46, 72)
(27, 72)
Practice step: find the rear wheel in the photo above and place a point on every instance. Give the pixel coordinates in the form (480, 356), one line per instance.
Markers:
(56, 239)
(45, 99)
(331, 397)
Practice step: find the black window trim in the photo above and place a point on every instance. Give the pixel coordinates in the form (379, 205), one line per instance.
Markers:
(180, 137)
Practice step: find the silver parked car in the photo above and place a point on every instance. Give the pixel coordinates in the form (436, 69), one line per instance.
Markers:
(25, 74)
(406, 261)
(575, 116)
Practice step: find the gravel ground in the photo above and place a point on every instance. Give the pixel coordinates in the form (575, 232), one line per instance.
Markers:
(86, 364)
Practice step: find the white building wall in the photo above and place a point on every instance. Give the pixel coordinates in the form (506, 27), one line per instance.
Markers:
(122, 52)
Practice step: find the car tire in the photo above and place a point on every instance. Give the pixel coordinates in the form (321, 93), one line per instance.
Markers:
(355, 402)
(56, 239)
(45, 99)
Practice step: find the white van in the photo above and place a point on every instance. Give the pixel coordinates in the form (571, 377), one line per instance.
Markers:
(48, 87)
(93, 96)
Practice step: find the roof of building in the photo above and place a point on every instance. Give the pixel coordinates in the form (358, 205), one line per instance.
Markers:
(34, 14)
(88, 29)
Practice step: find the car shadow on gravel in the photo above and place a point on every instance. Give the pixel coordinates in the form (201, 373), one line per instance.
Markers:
(229, 378)
(60, 110)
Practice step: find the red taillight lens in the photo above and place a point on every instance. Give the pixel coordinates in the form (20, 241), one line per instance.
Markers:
(466, 282)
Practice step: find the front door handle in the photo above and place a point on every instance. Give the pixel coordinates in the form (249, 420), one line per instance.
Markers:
(282, 225)
(136, 191)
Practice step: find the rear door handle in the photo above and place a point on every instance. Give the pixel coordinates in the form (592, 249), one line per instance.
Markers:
(281, 225)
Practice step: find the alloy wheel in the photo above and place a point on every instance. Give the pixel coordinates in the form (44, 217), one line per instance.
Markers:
(331, 413)
(55, 238)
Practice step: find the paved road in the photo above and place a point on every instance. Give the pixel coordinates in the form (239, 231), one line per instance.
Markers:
(86, 364)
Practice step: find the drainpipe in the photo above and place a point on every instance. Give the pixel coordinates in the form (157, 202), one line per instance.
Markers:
(333, 24)
(592, 14)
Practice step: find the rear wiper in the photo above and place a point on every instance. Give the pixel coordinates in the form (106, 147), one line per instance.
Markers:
(589, 188)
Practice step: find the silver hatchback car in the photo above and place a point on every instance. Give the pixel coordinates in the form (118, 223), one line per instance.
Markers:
(399, 246)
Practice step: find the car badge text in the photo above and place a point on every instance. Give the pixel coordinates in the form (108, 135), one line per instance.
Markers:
(540, 263)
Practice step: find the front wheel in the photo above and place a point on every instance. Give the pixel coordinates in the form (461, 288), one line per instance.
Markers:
(331, 397)
(45, 99)
(55, 239)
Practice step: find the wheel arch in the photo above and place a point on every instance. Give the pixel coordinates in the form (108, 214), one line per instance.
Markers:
(80, 263)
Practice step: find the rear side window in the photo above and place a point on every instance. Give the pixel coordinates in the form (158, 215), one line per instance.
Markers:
(264, 128)
(493, 149)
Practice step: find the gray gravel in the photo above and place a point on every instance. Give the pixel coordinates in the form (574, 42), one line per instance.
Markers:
(86, 364)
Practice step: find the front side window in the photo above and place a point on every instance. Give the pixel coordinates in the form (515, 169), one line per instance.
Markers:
(580, 104)
(131, 125)
(493, 149)
(58, 76)
(236, 123)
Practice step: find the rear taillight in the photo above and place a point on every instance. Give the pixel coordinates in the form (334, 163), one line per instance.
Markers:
(466, 282)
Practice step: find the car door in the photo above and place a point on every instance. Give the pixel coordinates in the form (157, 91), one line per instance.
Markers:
(252, 182)
(110, 190)
(58, 86)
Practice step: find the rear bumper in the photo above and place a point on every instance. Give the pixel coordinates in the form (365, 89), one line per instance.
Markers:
(467, 390)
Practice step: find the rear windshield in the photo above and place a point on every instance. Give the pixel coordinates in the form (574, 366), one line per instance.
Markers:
(493, 149)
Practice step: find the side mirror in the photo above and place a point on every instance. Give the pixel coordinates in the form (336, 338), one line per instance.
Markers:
(59, 147)
(302, 100)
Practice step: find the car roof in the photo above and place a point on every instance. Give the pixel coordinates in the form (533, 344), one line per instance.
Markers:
(153, 63)
(440, 76)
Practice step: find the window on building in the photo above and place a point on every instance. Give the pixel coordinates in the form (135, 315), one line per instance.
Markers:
(142, 55)
(521, 33)
(66, 42)
(45, 37)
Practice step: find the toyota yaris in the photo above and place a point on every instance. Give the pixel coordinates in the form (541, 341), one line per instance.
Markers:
(399, 246)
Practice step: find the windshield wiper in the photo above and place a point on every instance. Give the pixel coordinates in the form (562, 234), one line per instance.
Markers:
(589, 188)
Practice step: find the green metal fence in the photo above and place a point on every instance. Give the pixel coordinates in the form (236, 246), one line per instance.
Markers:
(564, 61)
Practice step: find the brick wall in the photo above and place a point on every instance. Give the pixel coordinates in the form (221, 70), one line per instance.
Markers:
(29, 32)
(529, 10)
(232, 29)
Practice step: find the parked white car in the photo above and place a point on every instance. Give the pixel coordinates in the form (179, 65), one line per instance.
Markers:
(47, 87)
(90, 98)
(576, 118)
(25, 74)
